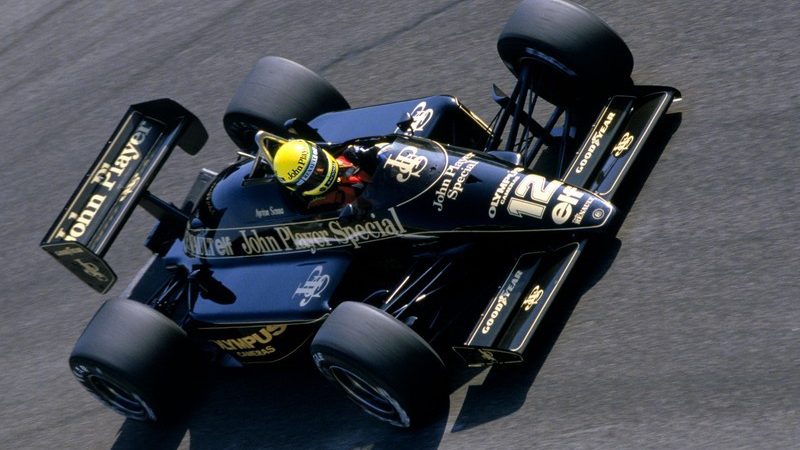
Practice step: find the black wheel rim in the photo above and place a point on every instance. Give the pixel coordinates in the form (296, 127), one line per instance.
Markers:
(127, 403)
(372, 399)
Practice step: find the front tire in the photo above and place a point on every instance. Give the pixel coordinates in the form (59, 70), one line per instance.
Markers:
(134, 360)
(576, 54)
(381, 364)
(275, 91)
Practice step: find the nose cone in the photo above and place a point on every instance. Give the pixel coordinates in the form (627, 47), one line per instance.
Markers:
(593, 212)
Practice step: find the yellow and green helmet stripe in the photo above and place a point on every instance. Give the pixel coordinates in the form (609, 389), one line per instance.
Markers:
(323, 180)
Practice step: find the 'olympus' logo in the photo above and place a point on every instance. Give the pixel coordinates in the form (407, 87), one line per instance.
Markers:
(252, 341)
(503, 189)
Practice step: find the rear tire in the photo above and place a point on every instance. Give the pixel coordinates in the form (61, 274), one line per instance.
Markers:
(276, 90)
(575, 53)
(134, 360)
(381, 364)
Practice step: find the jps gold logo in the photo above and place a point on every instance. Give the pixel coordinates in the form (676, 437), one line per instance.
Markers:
(92, 270)
(533, 298)
(487, 356)
(623, 145)
(408, 163)
(420, 115)
(128, 190)
(313, 286)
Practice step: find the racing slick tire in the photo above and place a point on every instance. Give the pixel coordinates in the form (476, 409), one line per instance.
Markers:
(277, 90)
(133, 359)
(576, 54)
(381, 364)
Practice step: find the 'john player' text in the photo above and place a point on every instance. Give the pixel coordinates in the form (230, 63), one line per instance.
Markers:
(290, 238)
(453, 180)
(104, 181)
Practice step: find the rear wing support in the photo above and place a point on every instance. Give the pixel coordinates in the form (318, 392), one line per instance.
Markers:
(116, 183)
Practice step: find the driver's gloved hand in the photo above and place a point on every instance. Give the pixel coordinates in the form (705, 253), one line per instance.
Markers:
(364, 157)
(355, 211)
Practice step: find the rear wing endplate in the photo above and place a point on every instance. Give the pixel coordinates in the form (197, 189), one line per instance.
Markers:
(118, 179)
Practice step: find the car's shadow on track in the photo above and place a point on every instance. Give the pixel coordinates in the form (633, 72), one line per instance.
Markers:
(505, 389)
(262, 408)
(274, 407)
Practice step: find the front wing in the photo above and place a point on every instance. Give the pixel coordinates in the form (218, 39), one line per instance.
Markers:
(617, 138)
(504, 330)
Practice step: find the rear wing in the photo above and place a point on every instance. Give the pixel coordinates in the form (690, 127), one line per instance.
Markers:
(115, 183)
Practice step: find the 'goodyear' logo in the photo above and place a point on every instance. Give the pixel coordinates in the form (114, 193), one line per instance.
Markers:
(595, 141)
(501, 302)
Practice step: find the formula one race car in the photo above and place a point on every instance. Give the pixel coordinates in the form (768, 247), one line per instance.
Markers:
(461, 223)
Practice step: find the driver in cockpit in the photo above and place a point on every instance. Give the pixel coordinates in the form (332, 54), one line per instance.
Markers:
(319, 178)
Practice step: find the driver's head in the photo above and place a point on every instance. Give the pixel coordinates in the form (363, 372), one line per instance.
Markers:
(305, 168)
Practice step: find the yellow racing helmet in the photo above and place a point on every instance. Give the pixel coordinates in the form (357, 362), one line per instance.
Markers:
(305, 168)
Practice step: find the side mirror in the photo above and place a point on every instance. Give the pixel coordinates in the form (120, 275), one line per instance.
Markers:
(357, 210)
(300, 129)
(404, 125)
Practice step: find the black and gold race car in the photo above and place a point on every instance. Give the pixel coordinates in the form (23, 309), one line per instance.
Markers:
(464, 226)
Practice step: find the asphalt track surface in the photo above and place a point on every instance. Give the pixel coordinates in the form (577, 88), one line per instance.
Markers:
(684, 332)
